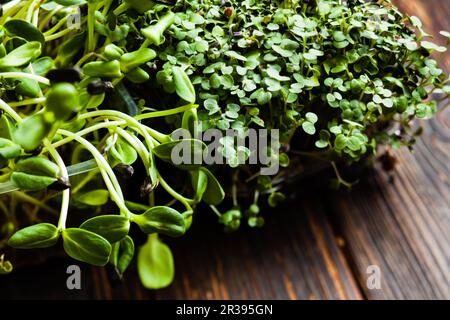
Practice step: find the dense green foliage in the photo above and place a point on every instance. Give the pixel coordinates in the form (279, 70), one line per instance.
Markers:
(89, 103)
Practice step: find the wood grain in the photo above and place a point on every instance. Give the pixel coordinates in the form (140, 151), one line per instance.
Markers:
(318, 247)
(297, 257)
(404, 226)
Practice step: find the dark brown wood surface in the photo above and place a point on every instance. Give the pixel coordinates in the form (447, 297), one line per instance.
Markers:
(404, 226)
(318, 247)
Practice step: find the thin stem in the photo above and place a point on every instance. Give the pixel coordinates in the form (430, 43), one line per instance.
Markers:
(92, 5)
(27, 102)
(145, 131)
(165, 113)
(131, 122)
(214, 209)
(5, 107)
(85, 58)
(57, 35)
(56, 26)
(48, 17)
(121, 8)
(185, 201)
(137, 145)
(338, 175)
(87, 131)
(24, 75)
(66, 193)
(25, 197)
(106, 171)
(30, 11)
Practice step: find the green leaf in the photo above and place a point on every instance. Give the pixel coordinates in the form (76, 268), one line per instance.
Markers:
(138, 75)
(275, 198)
(311, 117)
(445, 34)
(111, 227)
(284, 160)
(123, 253)
(41, 235)
(199, 181)
(28, 87)
(21, 55)
(108, 69)
(211, 105)
(155, 264)
(214, 193)
(68, 49)
(190, 122)
(282, 52)
(86, 246)
(163, 220)
(123, 152)
(183, 85)
(235, 55)
(31, 132)
(132, 60)
(94, 198)
(432, 46)
(113, 52)
(62, 100)
(6, 127)
(341, 142)
(29, 182)
(321, 144)
(38, 166)
(354, 144)
(186, 154)
(24, 29)
(8, 149)
(416, 22)
(139, 5)
(339, 36)
(309, 128)
(155, 33)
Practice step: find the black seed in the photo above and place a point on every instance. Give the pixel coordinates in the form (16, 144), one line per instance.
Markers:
(84, 9)
(60, 185)
(124, 171)
(146, 187)
(96, 88)
(109, 87)
(99, 87)
(64, 75)
(37, 151)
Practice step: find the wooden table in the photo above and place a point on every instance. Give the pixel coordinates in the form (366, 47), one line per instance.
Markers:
(317, 248)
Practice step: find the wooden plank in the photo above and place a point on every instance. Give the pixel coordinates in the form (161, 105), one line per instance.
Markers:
(404, 226)
(294, 257)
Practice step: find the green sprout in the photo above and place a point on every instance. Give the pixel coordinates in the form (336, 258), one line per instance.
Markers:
(86, 106)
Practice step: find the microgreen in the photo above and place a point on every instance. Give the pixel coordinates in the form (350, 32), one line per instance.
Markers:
(86, 106)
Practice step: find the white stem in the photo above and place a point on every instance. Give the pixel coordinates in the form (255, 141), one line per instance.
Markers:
(24, 75)
(106, 171)
(5, 107)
